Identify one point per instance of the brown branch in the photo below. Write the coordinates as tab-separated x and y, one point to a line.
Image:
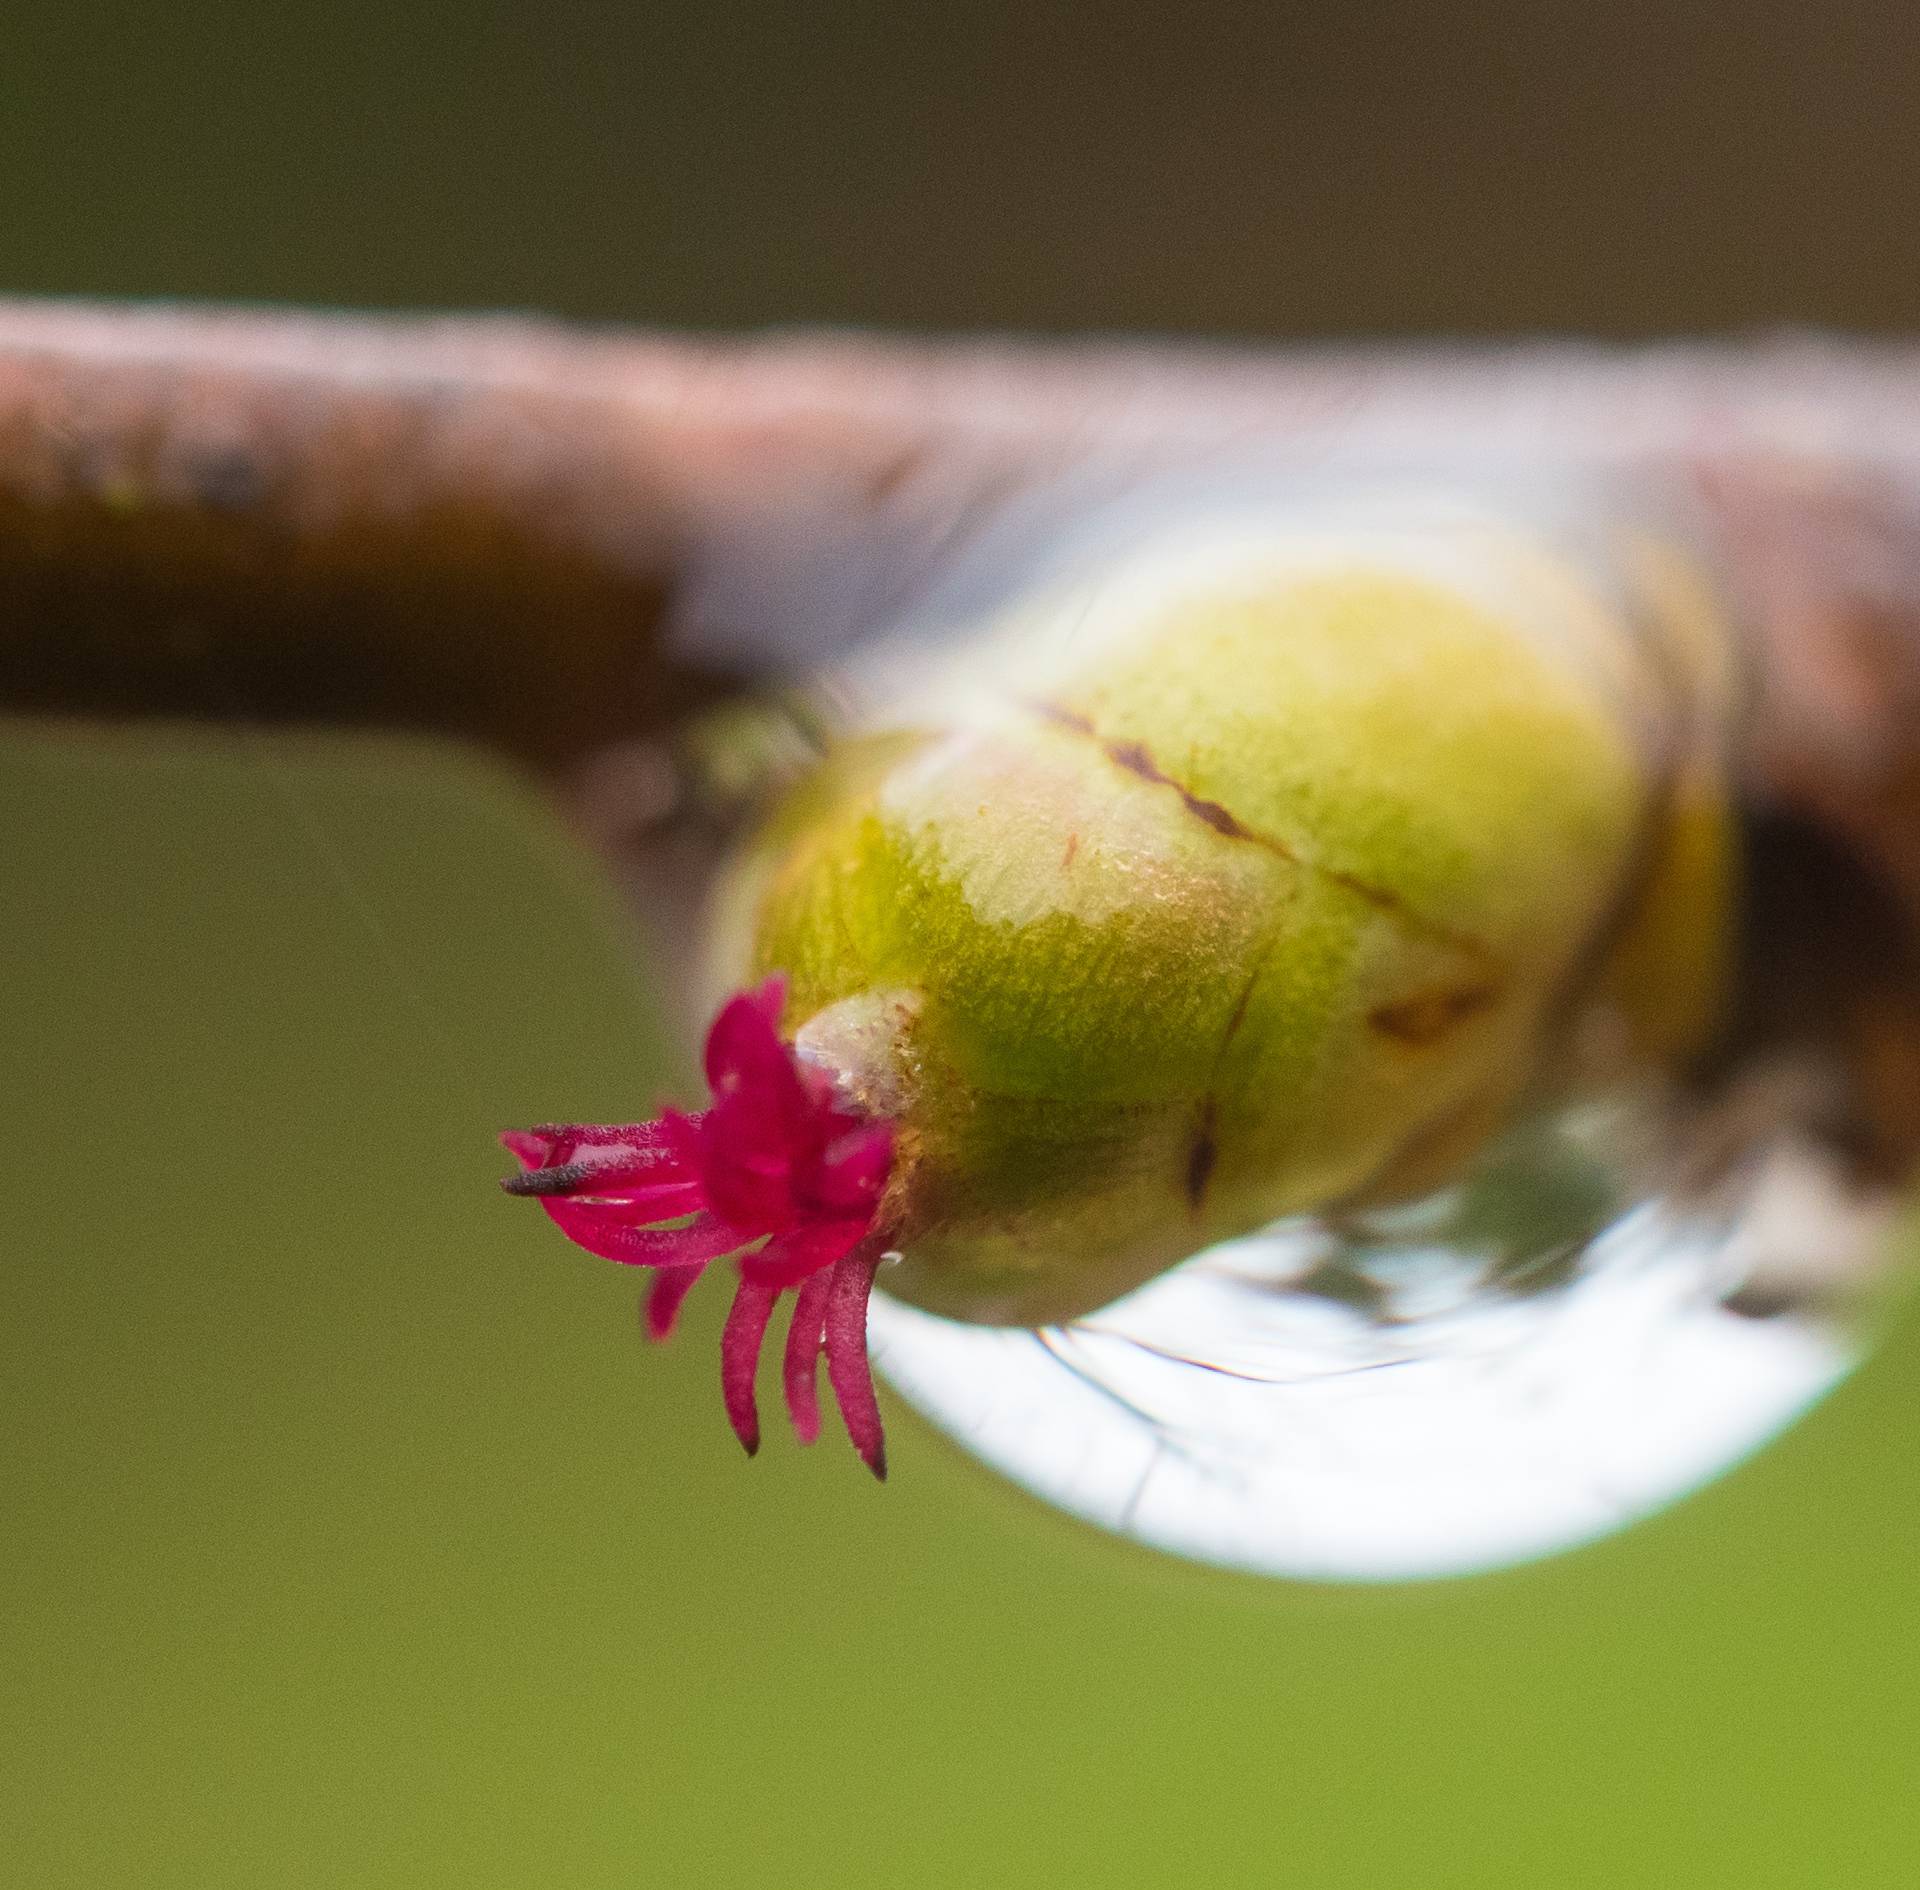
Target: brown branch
215	516
549	539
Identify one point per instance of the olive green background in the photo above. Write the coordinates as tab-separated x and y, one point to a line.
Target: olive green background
349	1536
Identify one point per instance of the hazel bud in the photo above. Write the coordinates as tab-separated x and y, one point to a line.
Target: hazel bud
1267	877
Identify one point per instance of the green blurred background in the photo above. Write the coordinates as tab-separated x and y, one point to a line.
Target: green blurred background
351	1536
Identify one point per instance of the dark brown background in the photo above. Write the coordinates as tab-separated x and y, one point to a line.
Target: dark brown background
1375	165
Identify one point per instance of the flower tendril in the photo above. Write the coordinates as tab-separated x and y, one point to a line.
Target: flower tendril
777	1171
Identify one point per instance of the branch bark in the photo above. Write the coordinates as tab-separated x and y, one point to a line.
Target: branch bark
548	540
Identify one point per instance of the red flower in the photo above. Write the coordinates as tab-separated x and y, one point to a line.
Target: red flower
777	1161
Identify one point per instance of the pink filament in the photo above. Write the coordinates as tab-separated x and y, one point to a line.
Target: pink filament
776	1172
800	1367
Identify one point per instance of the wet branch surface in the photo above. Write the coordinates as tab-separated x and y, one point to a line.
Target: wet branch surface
484	524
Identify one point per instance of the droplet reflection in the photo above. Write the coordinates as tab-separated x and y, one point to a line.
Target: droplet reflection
1432	1392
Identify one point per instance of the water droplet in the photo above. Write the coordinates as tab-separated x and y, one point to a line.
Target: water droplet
1539	1356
